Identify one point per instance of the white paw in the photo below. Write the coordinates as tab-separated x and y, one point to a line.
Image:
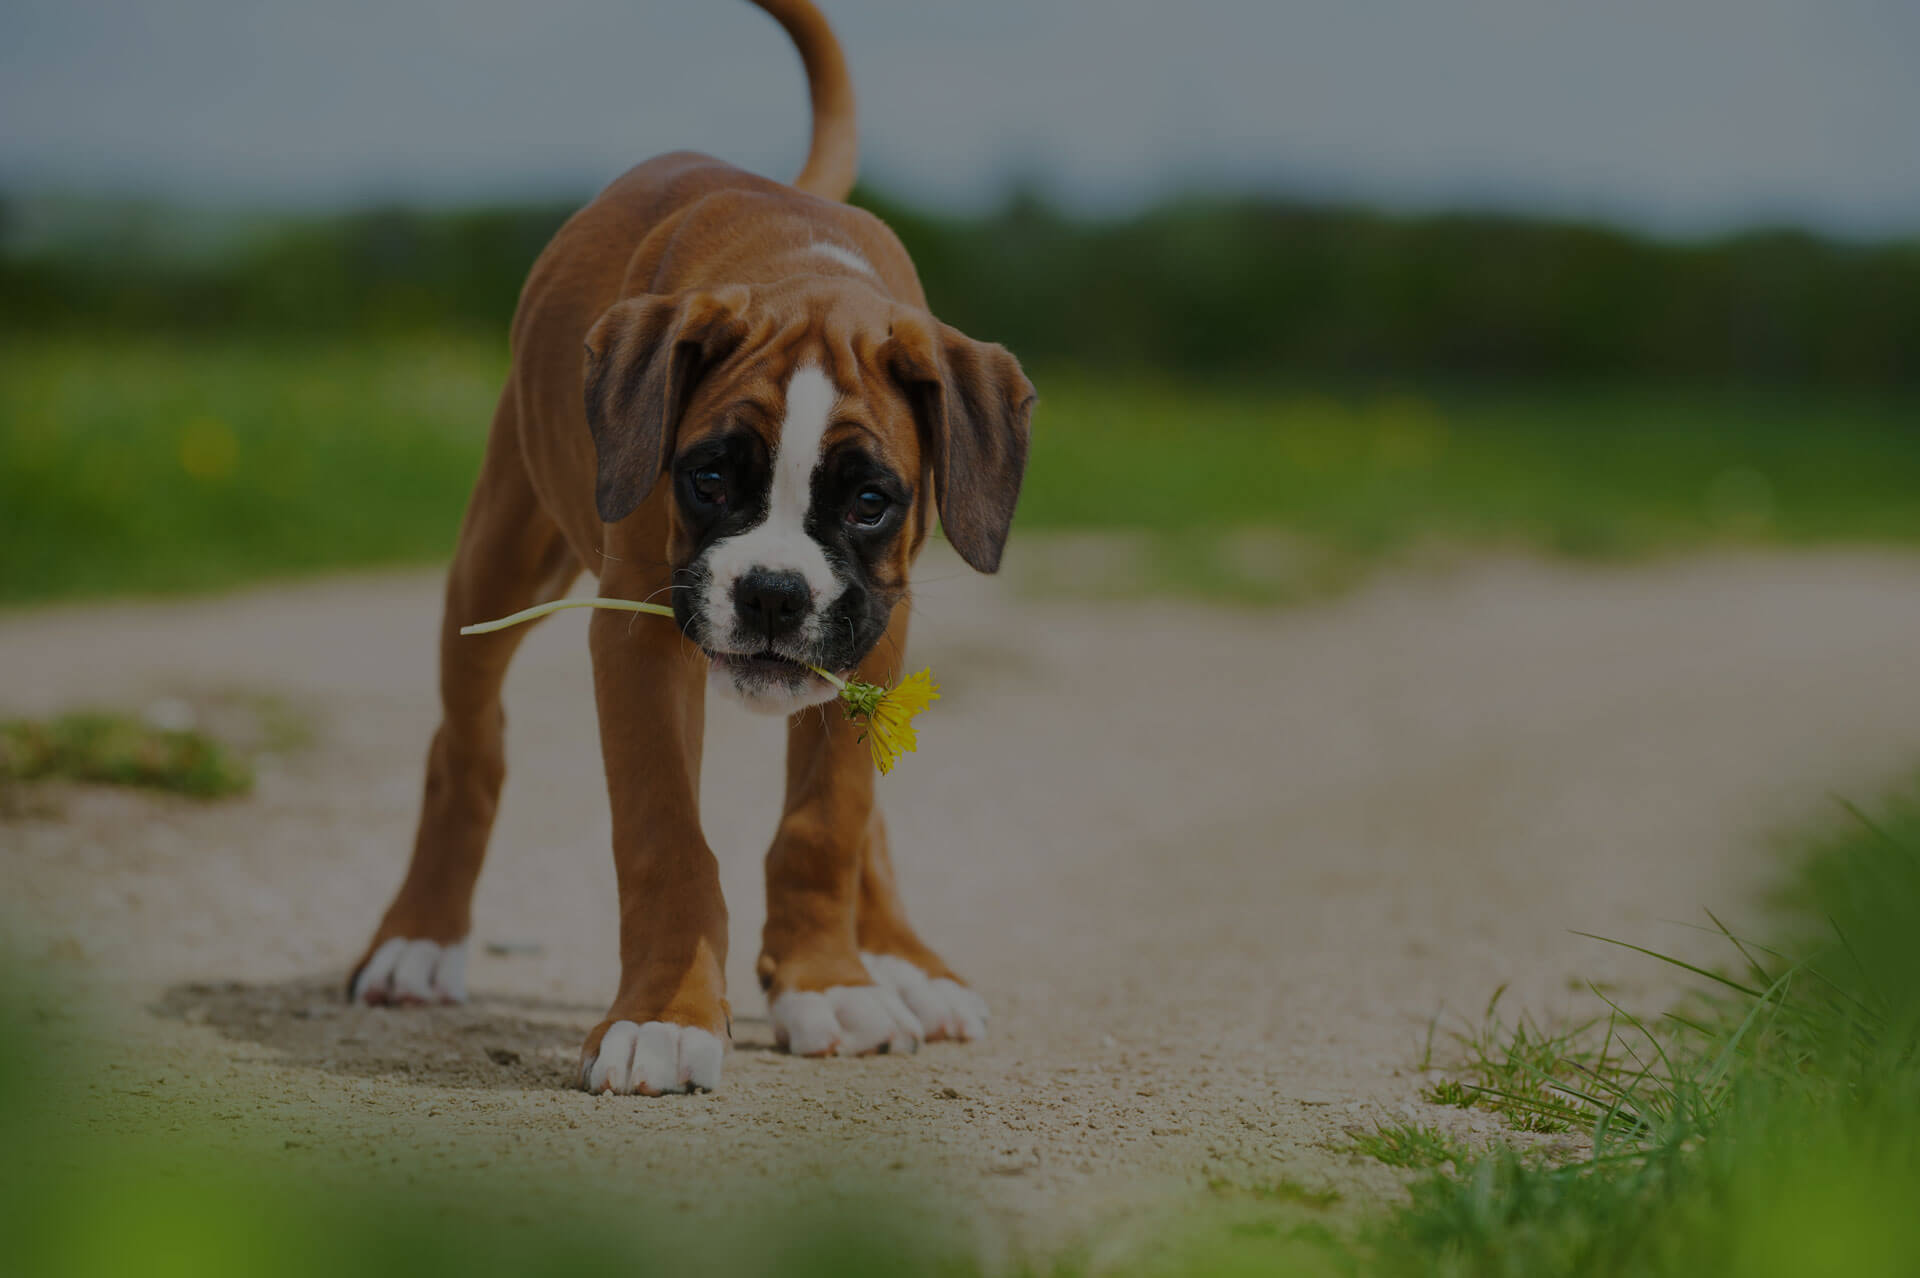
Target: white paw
847	1020
403	971
945	1008
653	1059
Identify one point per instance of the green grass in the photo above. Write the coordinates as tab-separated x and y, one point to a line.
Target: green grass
1540	1079
1773	1129
1411	1145
1450	1092
121	750
1582	471
143	466
1769	1125
138	467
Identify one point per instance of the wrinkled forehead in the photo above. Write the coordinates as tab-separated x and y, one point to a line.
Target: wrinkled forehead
805	402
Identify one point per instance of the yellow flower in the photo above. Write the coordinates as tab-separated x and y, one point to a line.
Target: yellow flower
890	718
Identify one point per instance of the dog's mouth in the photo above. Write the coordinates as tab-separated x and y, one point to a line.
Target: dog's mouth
768	682
765	666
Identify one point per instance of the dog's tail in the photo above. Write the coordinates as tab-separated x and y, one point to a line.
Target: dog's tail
833	156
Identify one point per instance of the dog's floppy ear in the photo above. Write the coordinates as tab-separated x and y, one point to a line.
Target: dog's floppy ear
644	358
974	406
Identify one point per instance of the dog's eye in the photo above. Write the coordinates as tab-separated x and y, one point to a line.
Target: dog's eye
709	486
869	508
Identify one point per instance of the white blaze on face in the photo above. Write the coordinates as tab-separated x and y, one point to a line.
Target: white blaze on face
779	542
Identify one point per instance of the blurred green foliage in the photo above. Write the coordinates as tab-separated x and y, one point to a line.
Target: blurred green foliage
85	1199
1250	285
1199	285
104	1177
374	271
1577	468
133	465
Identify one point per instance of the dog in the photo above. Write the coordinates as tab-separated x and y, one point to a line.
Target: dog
728	392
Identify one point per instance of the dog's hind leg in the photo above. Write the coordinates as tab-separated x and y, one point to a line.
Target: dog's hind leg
897	958
510	556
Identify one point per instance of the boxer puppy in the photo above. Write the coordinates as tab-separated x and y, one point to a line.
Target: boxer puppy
729	393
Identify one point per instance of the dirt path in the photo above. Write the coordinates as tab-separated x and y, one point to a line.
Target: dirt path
1215	872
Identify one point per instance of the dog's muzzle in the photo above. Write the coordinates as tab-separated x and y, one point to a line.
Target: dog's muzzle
762	653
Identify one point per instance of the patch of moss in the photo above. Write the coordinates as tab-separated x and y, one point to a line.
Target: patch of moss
120	750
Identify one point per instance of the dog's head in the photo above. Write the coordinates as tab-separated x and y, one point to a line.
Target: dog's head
808	437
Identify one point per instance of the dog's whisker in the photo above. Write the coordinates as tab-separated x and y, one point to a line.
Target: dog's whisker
650	598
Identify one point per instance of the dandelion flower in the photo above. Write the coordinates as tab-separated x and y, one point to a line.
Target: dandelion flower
889	714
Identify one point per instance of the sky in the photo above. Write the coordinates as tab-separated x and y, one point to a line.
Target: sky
1677	115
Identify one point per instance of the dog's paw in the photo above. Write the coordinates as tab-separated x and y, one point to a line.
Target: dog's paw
845	1020
652	1059
944	1007
412	972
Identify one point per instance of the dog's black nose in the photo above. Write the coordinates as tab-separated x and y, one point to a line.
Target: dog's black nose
771	603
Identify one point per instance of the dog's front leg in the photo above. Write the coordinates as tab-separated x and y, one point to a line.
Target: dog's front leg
667	1028
822	999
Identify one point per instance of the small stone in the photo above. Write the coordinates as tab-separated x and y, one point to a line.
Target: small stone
170	714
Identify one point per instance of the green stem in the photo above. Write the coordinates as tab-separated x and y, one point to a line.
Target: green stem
618	605
540	610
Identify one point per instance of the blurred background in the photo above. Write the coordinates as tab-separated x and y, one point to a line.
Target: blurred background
1303	285
1313	291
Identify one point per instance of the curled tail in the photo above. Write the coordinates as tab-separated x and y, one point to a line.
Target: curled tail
833	156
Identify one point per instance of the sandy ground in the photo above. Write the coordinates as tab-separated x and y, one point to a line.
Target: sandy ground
1215	871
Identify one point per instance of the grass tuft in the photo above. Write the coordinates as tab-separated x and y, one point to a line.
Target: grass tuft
1411	1145
121	750
1770	1128
1450	1092
1559	1080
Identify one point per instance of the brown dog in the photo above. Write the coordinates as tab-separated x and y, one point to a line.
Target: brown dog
760	427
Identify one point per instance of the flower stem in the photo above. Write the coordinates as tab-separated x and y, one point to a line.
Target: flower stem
540	610
619	605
